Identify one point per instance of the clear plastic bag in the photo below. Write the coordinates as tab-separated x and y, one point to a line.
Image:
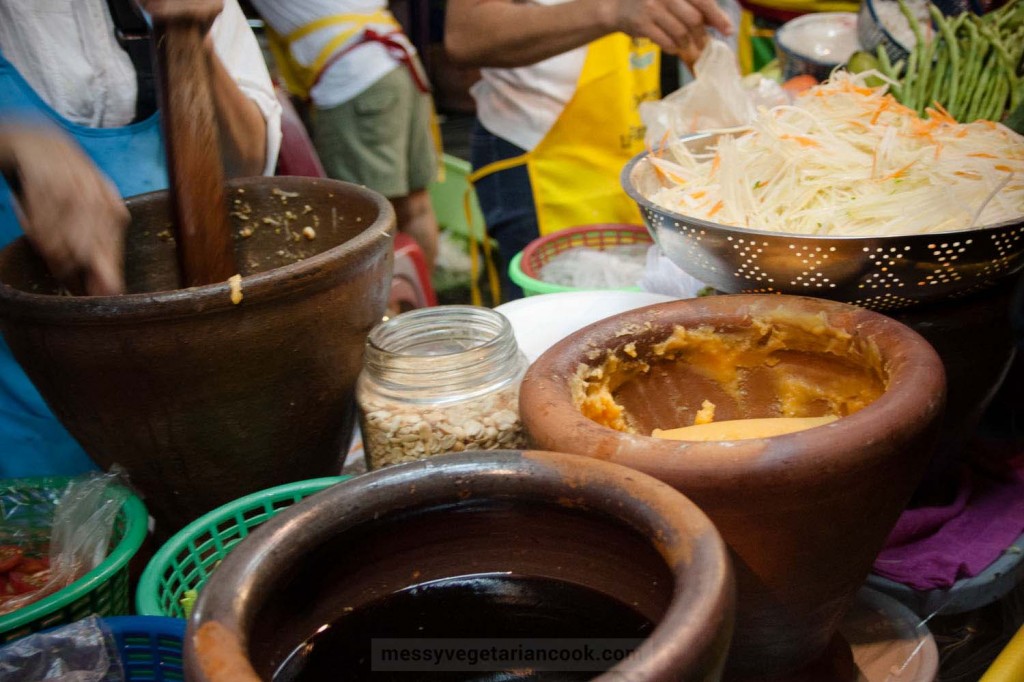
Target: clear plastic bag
717	97
614	267
63	533
83	651
662	276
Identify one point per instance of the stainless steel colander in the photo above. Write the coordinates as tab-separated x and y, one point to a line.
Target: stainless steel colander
880	273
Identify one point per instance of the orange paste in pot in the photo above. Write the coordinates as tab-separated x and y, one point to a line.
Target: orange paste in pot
778	365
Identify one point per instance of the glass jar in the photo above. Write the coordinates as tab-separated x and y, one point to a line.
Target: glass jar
437	380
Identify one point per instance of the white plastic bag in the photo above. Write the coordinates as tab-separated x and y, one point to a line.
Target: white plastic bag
717	97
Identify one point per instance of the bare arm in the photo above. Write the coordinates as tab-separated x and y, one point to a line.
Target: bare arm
508	33
240	123
242	129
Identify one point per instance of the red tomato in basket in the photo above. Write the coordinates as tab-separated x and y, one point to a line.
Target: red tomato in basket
24	583
33	565
10	557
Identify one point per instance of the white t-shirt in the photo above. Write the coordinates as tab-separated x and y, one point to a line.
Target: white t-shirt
67	52
352	73
522	104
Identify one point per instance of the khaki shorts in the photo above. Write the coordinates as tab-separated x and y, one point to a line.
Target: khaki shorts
381	138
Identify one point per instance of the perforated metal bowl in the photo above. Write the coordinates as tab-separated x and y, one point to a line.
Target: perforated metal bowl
880	273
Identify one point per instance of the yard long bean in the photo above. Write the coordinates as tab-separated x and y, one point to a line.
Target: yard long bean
948	33
939	72
972	66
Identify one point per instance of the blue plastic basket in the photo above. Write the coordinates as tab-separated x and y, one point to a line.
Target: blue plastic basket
150	647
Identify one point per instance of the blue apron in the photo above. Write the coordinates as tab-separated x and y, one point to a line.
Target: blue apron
32	441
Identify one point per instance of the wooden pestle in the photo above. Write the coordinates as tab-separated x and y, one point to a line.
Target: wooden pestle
194	167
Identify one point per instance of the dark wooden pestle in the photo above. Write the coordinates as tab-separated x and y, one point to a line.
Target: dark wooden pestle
194	167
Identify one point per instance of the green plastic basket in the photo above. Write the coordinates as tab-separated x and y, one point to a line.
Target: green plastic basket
103	591
448	199
186	561
526	265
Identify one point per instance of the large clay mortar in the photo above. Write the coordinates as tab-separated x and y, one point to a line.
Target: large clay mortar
200	399
804	514
546	515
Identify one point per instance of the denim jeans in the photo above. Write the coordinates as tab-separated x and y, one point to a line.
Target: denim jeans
506	201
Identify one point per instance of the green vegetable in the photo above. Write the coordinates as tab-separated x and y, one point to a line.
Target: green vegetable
951	49
772	70
861	61
1015	121
915	62
188	601
970	67
865	61
939	75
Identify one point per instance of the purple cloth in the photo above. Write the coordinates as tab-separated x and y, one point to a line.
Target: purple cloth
933	547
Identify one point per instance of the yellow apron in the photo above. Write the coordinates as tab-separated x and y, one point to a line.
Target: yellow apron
299	79
574	170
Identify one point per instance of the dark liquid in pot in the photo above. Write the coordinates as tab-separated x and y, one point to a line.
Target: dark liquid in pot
515	611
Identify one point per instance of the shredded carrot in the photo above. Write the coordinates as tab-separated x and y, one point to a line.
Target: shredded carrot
924	128
962	132
938	150
939	112
1002	167
716	163
661	146
698	195
666	175
901	109
664	139
878	112
983	155
899	173
716	208
849	86
803	141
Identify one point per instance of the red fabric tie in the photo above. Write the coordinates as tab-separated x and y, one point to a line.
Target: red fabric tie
398	51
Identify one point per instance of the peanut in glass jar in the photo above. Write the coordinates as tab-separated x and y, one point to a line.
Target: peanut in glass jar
437	380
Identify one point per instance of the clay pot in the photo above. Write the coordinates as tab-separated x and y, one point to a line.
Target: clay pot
596	526
199	399
804	514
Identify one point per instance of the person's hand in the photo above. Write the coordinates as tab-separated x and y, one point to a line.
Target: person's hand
70	212
678	27
202	12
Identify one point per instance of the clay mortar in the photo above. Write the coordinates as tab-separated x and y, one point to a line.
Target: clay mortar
543	514
202	400
804	514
